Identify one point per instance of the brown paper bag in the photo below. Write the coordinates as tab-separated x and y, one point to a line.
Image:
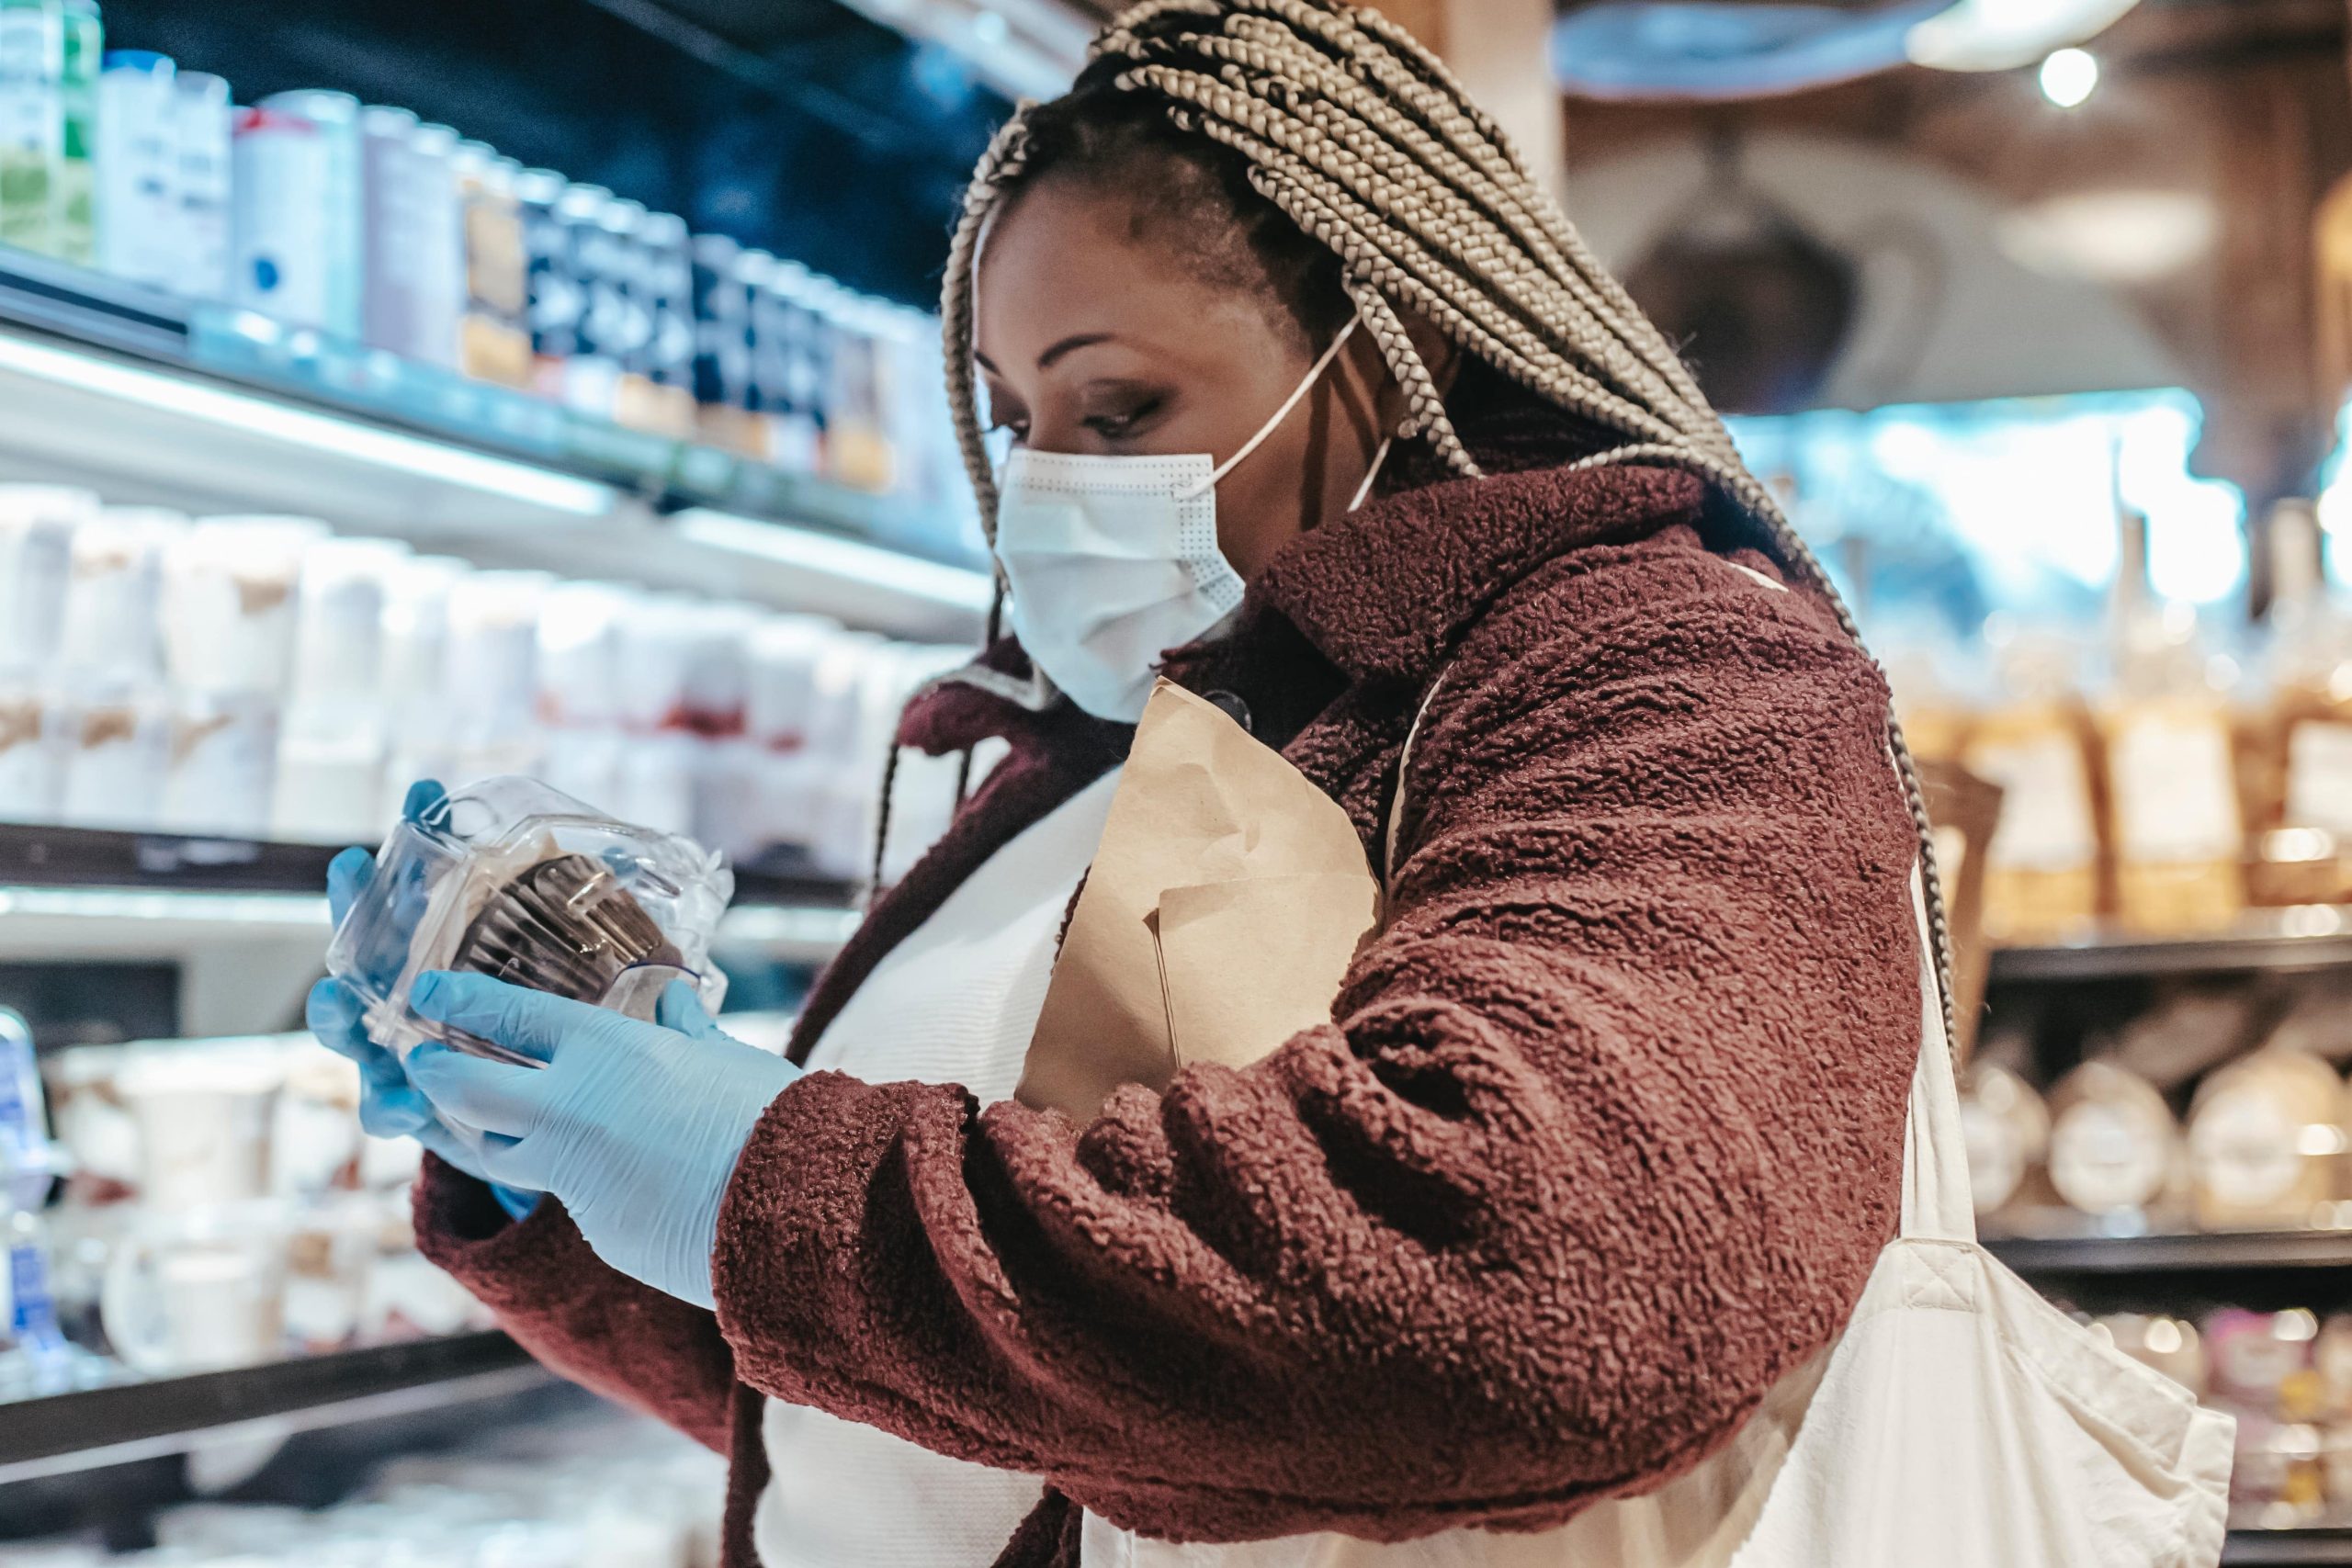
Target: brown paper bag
1227	900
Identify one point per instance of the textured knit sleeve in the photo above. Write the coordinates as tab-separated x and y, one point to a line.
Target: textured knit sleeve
1602	1141
574	1311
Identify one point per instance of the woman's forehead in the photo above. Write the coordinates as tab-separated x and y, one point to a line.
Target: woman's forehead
1066	257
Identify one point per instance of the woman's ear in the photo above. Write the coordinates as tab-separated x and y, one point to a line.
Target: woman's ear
1437	351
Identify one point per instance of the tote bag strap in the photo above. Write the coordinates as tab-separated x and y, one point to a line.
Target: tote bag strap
1936	1202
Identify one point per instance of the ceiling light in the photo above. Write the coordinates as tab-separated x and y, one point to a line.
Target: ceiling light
2069	76
2004	35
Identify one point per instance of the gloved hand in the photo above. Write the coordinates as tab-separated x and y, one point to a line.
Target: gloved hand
389	1106
636	1126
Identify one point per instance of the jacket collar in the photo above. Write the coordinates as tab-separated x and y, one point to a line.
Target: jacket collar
1383	591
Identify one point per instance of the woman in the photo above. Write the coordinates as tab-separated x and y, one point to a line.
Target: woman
1605	1129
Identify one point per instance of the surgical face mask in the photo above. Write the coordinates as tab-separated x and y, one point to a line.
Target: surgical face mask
1113	561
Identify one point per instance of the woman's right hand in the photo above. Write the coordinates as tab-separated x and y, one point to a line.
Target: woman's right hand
389	1106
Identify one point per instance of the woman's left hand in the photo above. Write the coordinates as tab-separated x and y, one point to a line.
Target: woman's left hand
635	1127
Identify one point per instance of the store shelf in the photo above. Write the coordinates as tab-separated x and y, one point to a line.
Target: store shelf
2287	1548
131	1421
2309	936
2221	1253
213	409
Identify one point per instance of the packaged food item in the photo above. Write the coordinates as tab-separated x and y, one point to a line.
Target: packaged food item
113	599
228	591
334	119
113	744
221	765
2114	1147
579	688
2254	1354
284	214
2008	1129
493	337
72	193
511	878
2266	1148
490	675
31	759
2041	869
32	121
199	1290
613	330
552	300
416	652
37	528
2332	1360
333	742
205	1115
2176	826
430	308
2277	1482
2302	748
204	129
138	166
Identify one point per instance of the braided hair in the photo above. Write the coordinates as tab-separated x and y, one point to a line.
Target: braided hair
1361	173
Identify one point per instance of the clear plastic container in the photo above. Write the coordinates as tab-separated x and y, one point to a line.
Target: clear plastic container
510	878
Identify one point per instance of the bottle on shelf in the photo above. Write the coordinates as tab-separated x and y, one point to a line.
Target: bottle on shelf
32	121
2299	750
2041	869
34	1356
2176	830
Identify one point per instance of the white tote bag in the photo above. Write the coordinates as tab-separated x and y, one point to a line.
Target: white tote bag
1961	1421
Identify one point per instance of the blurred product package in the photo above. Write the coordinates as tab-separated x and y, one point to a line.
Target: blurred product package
260	676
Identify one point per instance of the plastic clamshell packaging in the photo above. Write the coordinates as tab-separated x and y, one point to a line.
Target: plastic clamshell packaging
510	878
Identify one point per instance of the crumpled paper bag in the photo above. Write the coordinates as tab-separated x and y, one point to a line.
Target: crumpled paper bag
1227	900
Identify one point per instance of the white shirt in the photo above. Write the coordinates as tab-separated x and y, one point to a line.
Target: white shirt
956	1002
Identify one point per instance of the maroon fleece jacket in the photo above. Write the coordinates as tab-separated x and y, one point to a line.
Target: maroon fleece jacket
1603	1138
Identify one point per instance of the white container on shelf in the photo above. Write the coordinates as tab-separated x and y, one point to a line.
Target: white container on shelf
284	201
336	117
416	647
37	526
491	674
579	697
433	220
199	1291
113	605
222	765
137	167
31	767
228	595
205	1113
113	740
204	136
332	741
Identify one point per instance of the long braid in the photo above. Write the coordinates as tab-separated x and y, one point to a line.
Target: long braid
1362	138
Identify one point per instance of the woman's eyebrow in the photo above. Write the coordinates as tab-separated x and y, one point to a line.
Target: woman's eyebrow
1069	345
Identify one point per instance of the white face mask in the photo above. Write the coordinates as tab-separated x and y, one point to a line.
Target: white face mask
1113	561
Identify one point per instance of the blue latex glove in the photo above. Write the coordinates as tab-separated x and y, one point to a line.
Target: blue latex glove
636	1126
389	1106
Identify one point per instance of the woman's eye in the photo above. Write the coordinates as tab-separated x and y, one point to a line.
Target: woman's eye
1110	426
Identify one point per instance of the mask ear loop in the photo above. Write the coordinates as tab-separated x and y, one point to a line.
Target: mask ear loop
1314	374
1379	457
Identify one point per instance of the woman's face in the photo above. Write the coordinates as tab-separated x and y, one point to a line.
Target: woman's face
1095	335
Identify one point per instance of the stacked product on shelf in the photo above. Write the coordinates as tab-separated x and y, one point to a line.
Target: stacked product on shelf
318	214
259	677
221	1209
2287	1379
609	1491
2174	1128
2179	785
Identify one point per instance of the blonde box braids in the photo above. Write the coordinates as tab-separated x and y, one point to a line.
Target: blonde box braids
1364	139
